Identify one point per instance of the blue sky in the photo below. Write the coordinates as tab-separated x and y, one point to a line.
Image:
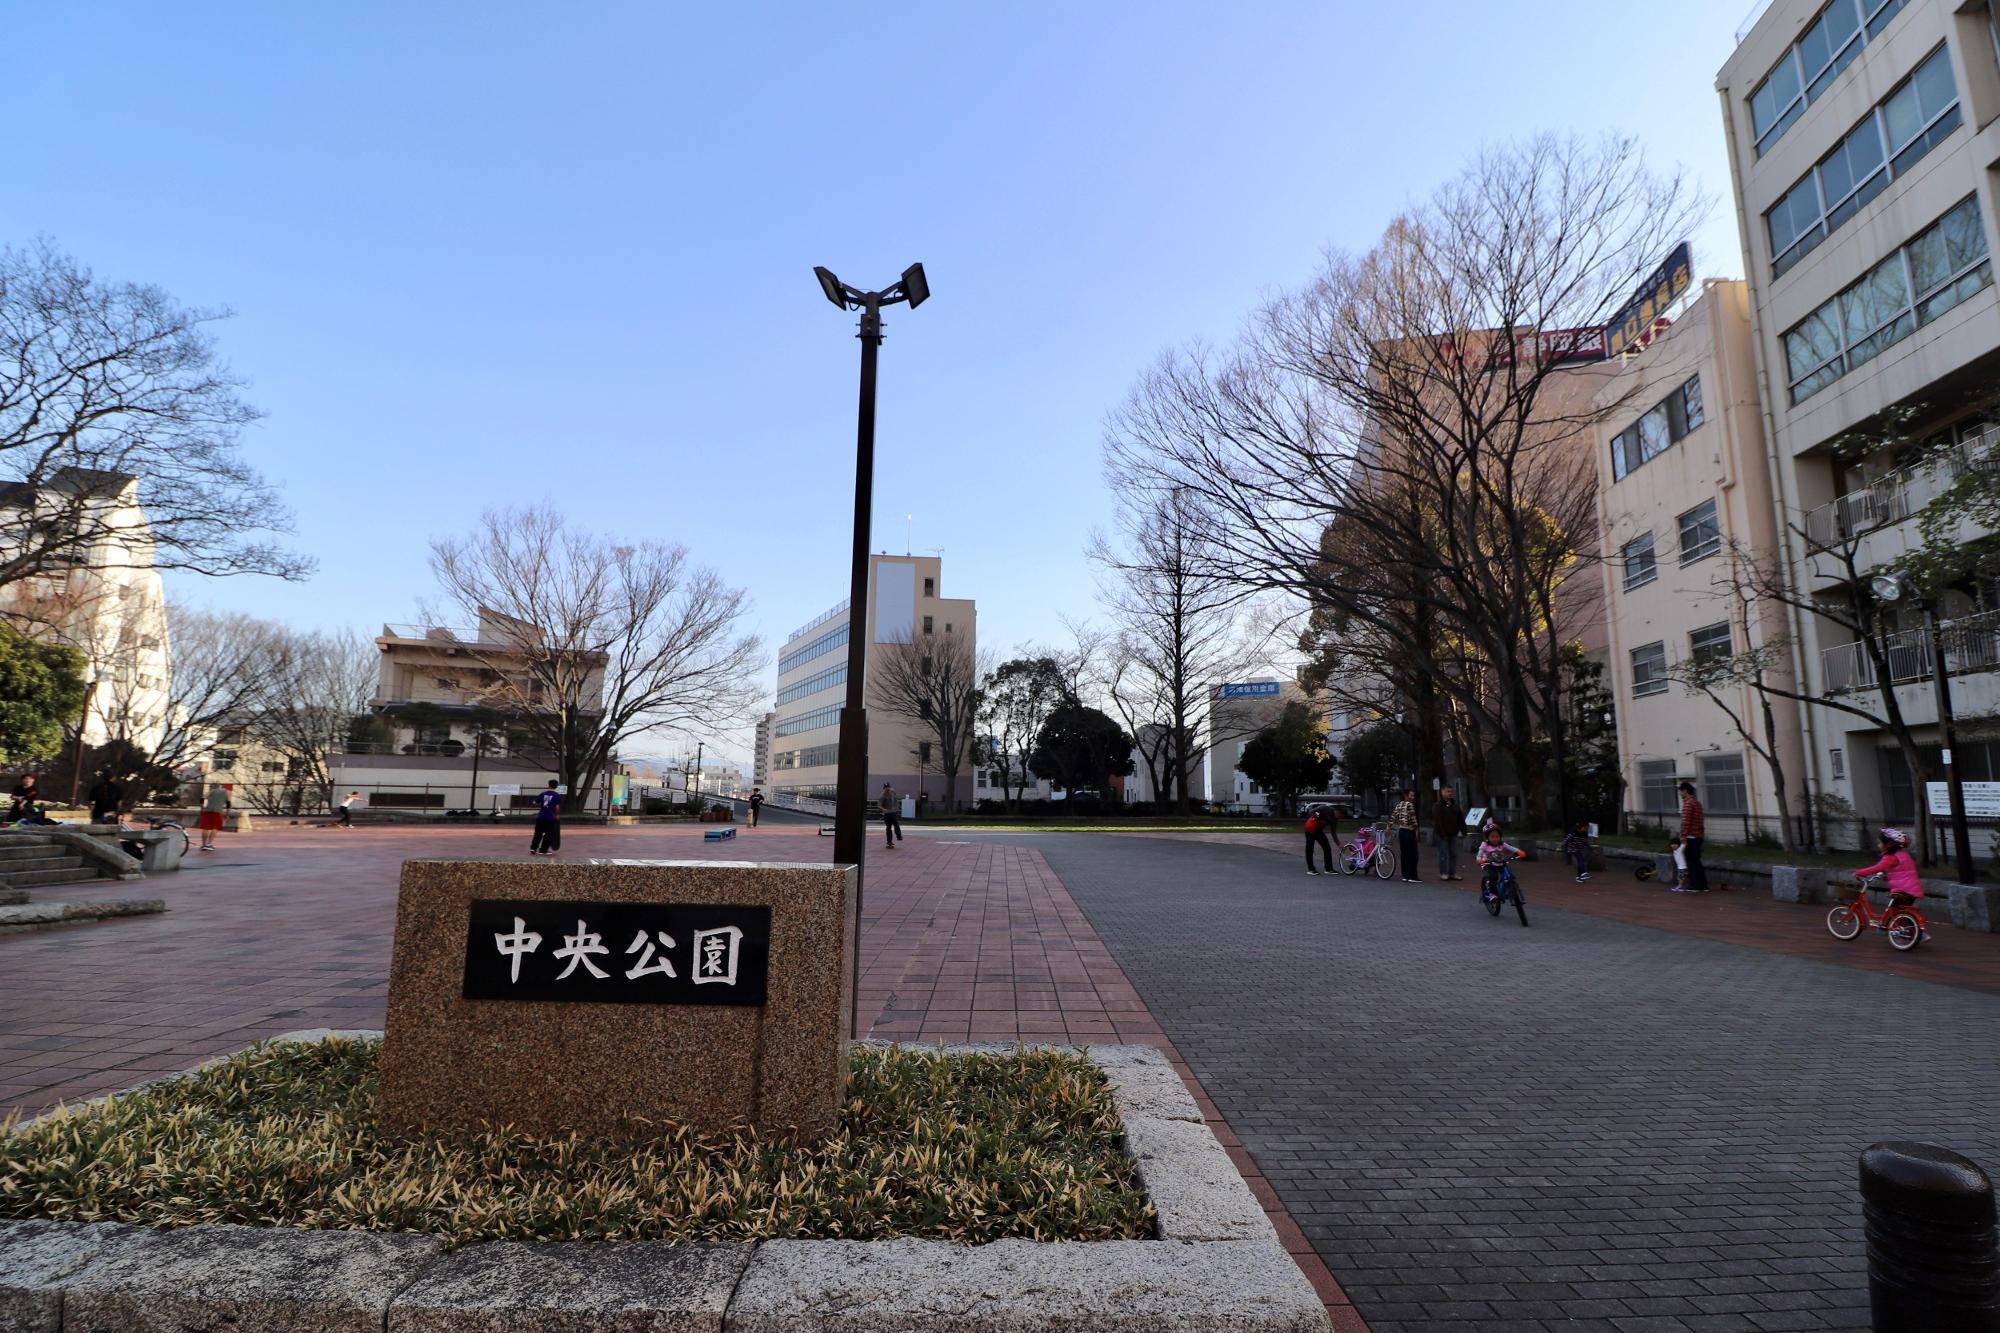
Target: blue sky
487	254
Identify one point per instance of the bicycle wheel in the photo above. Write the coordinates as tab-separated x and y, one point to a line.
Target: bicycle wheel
1903	931
1385	863
1348	865
1520	906
1843	922
1492	900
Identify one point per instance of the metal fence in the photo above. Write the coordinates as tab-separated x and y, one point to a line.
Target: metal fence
1971	643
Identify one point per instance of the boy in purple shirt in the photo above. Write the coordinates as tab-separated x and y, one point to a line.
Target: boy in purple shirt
548	822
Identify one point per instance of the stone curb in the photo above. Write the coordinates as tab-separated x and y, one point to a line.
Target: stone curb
1218	1265
22	917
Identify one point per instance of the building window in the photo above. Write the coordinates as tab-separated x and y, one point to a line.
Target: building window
1710	644
927	624
1807	69
1649	669
1640	566
1664	425
825	643
1839	762
1725	789
1658	783
813	684
1907	125
1943	266
930	587
1701	533
813	721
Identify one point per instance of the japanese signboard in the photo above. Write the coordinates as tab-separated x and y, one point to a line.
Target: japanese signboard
1256	689
1555	347
616	953
1982	799
1632	327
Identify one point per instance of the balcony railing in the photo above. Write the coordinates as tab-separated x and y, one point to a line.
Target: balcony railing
1901	494
1971	645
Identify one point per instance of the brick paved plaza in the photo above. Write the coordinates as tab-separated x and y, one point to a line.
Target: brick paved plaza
1640	1113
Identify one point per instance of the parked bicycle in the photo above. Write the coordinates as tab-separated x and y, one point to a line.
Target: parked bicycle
1901	922
1369	852
1501	891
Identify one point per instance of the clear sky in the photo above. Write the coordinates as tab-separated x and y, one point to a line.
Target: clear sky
485	254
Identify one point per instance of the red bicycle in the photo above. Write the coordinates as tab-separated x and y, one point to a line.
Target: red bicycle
1903	924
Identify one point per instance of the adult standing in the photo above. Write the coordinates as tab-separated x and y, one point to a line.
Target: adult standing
1446	820
1403	819
1319	828
548	821
892	815
105	796
756	805
1694	828
213	806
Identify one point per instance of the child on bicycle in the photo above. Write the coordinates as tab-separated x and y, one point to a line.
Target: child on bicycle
1494	853
1897	867
1576	848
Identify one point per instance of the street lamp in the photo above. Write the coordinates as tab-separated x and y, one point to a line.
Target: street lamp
850	820
82	725
1892	588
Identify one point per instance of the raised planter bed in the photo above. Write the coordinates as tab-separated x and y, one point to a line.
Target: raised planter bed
1215	1264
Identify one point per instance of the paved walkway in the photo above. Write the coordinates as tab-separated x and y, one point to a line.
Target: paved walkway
1587	1123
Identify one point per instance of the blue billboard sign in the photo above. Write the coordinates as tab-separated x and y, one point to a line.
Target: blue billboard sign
1256	689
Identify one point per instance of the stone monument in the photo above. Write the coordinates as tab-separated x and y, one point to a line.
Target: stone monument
601	996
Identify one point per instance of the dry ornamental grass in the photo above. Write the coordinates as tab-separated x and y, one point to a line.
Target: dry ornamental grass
967	1148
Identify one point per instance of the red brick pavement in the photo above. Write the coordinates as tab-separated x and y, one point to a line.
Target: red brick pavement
290	927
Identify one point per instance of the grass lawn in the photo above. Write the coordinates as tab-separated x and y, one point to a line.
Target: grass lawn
967	1148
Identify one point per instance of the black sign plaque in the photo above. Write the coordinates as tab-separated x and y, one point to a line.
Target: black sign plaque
616	953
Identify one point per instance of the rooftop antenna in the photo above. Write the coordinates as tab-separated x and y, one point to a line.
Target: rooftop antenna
909	529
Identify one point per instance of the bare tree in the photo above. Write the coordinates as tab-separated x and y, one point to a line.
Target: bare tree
225	665
110	392
1409	433
932	681
314	686
608	640
1176	620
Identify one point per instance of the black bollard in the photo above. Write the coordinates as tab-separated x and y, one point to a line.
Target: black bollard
1933	1256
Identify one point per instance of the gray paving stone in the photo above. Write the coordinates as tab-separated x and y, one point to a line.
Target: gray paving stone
1014	1286
38	1258
1433	1095
1196	1190
246	1280
642	1287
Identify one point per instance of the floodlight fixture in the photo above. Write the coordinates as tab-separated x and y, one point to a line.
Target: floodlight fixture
916	288
1887	587
831	286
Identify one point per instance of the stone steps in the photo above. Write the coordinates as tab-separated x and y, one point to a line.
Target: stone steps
74	873
9	897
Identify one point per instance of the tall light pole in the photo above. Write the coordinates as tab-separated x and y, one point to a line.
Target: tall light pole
850	813
1891	588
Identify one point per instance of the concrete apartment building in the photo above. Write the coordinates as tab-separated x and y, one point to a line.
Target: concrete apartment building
1863	141
906	605
102	597
438	691
1684	489
760	755
1237	711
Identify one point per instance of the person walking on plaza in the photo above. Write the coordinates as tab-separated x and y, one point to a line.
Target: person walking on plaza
892	815
1694	829
548	821
1320	827
1445	822
105	794
756	804
347	804
1403	819
212	808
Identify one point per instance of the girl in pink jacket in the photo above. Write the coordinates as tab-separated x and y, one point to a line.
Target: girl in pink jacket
1904	886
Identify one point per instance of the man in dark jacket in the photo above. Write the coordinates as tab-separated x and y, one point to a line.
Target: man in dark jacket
105	796
548	821
1446	821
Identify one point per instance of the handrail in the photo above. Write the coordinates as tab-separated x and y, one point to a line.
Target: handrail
1971	645
817	621
1901	494
1757	12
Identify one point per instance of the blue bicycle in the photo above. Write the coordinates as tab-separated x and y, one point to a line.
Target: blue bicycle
1496	893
